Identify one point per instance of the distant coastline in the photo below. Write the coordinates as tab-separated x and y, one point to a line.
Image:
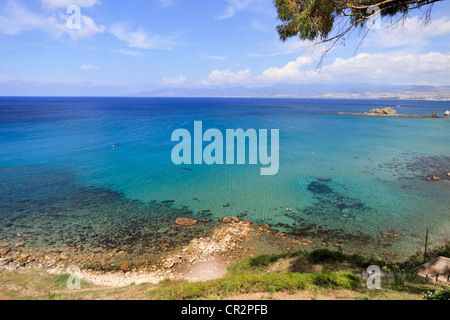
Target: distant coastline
389	115
327	97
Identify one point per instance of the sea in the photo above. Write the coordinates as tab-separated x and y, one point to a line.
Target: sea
97	173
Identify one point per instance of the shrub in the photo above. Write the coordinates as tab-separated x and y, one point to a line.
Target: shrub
439	294
255	264
248	283
323	255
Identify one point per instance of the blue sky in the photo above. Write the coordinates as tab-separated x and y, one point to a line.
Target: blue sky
126	47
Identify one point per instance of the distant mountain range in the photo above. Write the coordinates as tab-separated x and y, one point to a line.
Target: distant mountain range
314	90
348	91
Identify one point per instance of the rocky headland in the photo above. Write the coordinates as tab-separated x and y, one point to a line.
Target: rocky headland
391	112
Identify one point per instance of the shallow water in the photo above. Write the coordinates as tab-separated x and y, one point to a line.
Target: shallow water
62	183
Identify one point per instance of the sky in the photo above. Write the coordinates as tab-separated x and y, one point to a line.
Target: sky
128	47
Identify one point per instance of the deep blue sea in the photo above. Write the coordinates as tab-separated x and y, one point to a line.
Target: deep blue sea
97	172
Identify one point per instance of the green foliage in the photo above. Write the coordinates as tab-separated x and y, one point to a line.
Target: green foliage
316	19
310	19
61	281
440	251
165	280
399	276
54	296
439	294
169	295
255	264
325	255
247	283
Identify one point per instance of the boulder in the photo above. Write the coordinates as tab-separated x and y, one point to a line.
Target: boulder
185	221
230	220
433	115
447	113
383	111
125	267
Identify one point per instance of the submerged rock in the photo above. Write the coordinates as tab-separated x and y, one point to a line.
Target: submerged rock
185	221
4	251
320	188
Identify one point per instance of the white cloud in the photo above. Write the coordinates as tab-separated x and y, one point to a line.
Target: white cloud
129	52
227	77
16	18
213	57
390	68
239	5
412	31
88	67
290	72
88	28
60	4
375	68
140	38
174	82
384	68
166	3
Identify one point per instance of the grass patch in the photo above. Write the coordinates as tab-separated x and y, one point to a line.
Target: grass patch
54	296
325	255
255	264
61	282
250	283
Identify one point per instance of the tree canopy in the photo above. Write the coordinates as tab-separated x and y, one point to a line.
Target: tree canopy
328	21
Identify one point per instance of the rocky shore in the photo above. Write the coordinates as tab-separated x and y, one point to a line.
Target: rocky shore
203	258
226	240
391	112
231	240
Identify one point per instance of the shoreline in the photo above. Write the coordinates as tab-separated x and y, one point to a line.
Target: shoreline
204	258
390	115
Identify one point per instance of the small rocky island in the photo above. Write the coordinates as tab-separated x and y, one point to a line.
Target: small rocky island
391	112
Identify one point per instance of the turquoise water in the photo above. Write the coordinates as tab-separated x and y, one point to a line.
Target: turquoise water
62	183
